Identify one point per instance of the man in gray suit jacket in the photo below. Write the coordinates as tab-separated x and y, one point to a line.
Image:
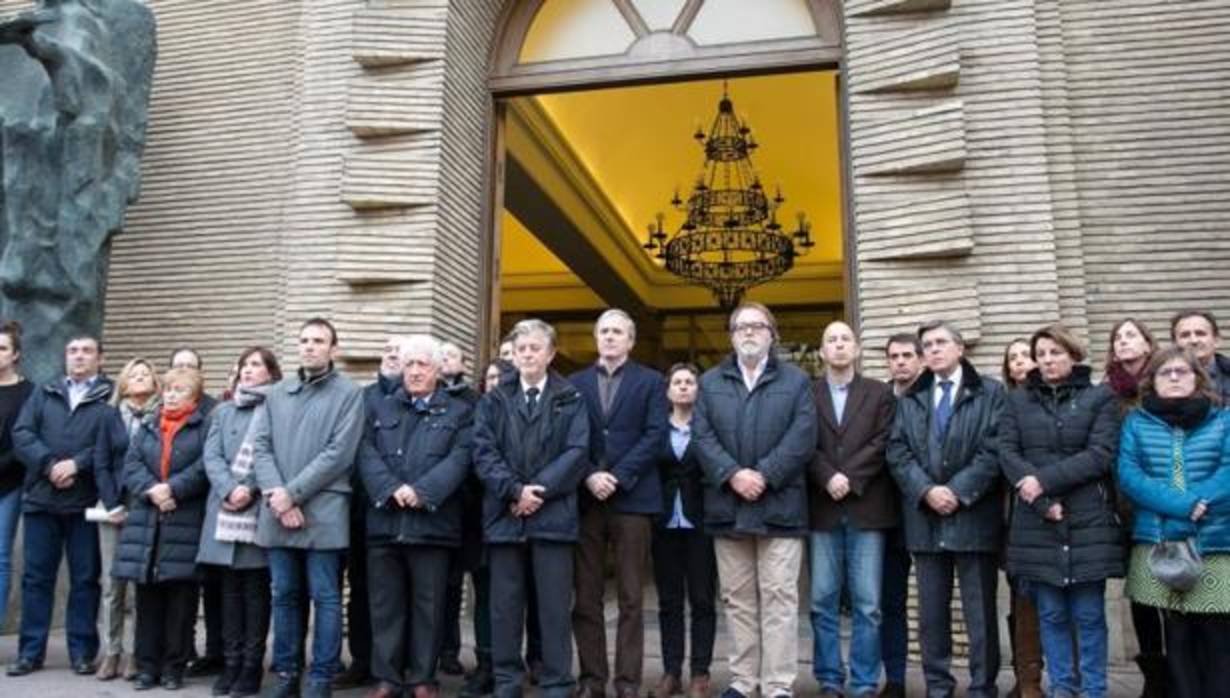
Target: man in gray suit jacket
303	454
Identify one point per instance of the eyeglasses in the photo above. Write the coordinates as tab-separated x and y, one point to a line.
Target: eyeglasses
750	327
1175	373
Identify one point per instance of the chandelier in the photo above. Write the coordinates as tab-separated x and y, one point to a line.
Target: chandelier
730	239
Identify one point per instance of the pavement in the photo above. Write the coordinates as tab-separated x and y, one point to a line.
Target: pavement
56	681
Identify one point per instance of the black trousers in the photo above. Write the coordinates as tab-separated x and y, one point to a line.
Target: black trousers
245	616
549	565
685	570
210	595
358	607
1147	621
166	612
979	575
408	585
1197	651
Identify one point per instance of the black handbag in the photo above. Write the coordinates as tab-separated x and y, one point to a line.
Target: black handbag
1176	563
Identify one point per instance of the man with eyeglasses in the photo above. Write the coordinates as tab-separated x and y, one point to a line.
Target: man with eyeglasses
942	454
754	430
1196	331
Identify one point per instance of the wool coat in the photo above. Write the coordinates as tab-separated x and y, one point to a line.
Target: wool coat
965	461
771	429
514	448
1066	436
227	430
855	447
160	546
625	440
307	444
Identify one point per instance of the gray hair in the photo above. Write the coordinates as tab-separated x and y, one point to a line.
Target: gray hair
532	326
421	345
932	325
621	314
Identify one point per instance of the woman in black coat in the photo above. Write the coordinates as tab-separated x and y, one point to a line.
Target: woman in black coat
684	565
165	473
1059	433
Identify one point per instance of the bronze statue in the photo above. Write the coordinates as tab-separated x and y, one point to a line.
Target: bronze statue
73	112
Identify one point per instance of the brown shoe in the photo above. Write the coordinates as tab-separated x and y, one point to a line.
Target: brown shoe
698	686
384	690
108	668
668	685
424	690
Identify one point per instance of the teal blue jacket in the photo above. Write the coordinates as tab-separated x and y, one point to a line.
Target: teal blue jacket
1147	450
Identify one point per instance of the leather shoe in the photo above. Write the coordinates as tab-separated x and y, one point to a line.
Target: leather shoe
451	665
144	682
384	690
698	686
353	677
589	690
892	689
84	667
109	667
205	666
627	692
668	685
21	667
172	682
426	690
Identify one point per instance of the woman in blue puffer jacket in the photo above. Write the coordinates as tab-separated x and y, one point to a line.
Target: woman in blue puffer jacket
1174	464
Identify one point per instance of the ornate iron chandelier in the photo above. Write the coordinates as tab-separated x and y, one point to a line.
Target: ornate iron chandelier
730	239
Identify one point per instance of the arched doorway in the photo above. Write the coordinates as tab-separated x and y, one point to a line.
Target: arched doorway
594	104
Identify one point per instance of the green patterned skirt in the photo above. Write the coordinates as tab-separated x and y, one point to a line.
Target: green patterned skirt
1211	595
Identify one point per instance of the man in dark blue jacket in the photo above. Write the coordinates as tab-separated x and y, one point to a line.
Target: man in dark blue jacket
626	402
531	448
414	456
58	438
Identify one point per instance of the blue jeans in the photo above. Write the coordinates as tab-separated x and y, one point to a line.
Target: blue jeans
10	510
290	570
853	558
1059	609
48	538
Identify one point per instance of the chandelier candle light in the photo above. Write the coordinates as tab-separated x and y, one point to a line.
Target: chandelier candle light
730	239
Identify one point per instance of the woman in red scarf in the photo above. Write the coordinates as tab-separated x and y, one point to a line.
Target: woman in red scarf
158	546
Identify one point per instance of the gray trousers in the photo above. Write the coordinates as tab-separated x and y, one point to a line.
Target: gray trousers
117	598
978	575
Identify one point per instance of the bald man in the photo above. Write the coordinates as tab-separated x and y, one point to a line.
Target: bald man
852	505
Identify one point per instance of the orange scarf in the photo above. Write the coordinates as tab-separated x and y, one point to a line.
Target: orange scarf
172	421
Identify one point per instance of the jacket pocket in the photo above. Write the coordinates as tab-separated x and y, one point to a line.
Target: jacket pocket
786	507
719	505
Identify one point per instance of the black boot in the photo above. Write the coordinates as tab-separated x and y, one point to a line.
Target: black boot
248	682
480	682
1153	668
222	685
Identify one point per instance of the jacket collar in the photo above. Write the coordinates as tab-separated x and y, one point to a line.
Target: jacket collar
730	368
302	380
1081	377
971	381
557	386
854	397
101	390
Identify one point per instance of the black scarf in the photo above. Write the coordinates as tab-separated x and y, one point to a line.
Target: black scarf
1184	412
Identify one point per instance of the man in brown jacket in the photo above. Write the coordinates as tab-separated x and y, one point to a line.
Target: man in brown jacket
851	505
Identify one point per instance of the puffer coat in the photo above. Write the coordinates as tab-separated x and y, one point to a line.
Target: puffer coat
1066	436
1148	448
156	546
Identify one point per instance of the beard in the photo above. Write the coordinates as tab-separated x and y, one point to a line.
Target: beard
750	349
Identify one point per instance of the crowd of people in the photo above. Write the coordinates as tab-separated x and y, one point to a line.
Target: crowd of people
270	501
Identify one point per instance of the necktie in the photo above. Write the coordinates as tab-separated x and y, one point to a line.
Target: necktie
943	411
531	400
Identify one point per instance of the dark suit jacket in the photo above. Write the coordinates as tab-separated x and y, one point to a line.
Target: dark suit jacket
855	448
682	475
626	441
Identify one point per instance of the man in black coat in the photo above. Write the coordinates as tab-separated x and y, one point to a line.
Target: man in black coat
755	432
531	443
942	453
627	416
414	457
58	437
1196	331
